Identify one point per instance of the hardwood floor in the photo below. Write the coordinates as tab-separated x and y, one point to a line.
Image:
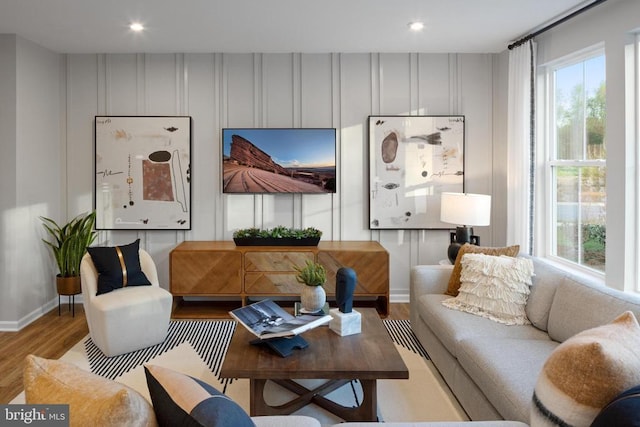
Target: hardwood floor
51	336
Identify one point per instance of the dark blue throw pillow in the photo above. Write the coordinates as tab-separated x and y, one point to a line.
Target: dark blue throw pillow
181	400
622	411
118	267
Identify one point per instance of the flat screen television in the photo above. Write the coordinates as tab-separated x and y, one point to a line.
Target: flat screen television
277	161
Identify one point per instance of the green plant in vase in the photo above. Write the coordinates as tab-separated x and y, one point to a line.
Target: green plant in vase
69	243
313	296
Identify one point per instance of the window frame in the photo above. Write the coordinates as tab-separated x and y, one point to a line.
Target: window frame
547	147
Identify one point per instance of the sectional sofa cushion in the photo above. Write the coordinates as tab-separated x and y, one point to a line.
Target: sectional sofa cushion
586	372
453	326
495	287
543	289
118	266
583	296
506	370
181	400
454	280
92	400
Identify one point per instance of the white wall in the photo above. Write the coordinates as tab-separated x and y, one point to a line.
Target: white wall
8	284
32	166
283	90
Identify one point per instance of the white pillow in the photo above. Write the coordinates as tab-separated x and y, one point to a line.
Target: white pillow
494	287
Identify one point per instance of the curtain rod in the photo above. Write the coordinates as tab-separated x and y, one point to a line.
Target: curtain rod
553	24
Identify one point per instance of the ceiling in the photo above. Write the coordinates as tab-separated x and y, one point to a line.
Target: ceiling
91	26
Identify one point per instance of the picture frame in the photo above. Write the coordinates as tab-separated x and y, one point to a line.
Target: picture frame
412	160
142	172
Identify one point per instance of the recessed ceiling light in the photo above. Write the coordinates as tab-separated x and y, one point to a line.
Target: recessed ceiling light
136	26
416	26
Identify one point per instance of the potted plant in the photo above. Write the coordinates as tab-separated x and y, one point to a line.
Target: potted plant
69	244
277	236
313	296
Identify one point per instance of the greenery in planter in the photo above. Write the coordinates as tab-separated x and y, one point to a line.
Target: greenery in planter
70	241
278	232
312	274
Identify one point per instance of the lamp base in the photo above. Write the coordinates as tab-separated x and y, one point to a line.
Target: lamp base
461	236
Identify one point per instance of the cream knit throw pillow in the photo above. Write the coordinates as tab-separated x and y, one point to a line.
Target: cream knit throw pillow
494	287
586	372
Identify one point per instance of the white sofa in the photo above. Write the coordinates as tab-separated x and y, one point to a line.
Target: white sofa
490	367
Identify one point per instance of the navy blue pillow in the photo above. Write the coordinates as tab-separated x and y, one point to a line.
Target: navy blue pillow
623	410
181	400
118	266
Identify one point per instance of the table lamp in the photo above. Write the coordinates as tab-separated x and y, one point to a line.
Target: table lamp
465	210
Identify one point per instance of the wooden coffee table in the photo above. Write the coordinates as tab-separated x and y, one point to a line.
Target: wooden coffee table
367	357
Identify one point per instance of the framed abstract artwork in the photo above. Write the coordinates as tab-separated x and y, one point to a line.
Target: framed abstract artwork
143	172
412	160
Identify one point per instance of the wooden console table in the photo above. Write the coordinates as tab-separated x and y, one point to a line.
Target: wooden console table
235	274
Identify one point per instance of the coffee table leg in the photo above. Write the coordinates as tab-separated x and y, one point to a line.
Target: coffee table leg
257	405
367	411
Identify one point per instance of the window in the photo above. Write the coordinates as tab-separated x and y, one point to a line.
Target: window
576	168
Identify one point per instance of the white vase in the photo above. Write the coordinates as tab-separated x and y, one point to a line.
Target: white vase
313	298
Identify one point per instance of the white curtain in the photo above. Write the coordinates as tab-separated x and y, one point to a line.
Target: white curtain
520	145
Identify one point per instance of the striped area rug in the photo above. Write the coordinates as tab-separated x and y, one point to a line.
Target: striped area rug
210	339
197	348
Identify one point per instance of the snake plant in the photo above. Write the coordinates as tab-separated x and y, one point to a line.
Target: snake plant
70	241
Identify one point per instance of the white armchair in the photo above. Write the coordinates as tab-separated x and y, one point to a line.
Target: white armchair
129	318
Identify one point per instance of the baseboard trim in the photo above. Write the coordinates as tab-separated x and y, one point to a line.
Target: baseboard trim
399	297
15	326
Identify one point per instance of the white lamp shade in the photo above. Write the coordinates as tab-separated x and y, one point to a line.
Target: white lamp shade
465	209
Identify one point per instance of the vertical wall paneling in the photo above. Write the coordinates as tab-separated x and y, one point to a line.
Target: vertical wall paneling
297	205
121	95
435	98
64	126
141	107
453	84
433	95
281	90
160	78
499	130
218	120
85	96
377	108
182	101
336	114
102	107
315	107
206	151
356	81
260	119
140	88
296	92
414	110
181	83
395	95
414	84
240	82
280	94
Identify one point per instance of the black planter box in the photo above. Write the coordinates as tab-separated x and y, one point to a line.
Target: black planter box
272	241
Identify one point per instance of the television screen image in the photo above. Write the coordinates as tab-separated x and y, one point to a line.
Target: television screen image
261	160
